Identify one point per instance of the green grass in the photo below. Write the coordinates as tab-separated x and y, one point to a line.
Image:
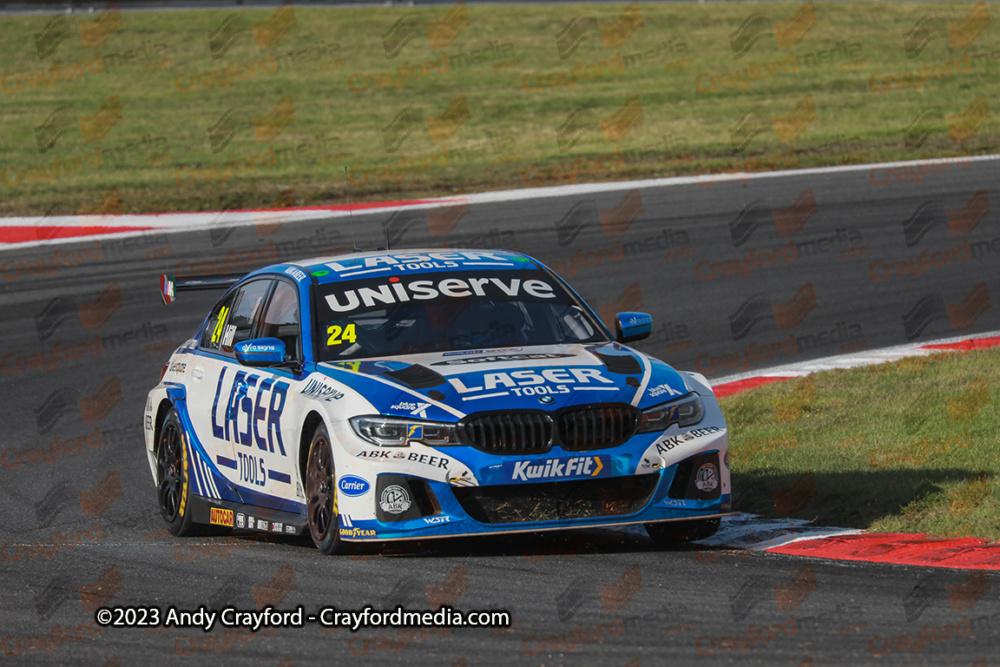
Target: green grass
510	134
910	446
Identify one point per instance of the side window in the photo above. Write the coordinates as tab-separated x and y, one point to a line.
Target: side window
232	321
211	338
281	319
246	307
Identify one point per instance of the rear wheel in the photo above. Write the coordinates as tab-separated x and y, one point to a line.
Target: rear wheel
675	532
321	495
172	482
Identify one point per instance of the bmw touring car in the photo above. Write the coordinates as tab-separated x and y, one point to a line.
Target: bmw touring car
400	395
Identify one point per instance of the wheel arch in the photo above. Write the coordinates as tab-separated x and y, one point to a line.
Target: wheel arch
309	424
173	398
162	410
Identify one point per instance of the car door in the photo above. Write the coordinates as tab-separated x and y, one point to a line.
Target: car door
231	404
277	412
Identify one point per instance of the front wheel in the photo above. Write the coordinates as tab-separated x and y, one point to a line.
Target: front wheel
676	532
173	486
321	495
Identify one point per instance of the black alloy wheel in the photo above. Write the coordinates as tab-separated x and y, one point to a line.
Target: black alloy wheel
173	484
321	495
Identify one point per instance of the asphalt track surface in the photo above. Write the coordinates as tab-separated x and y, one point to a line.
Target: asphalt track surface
81	528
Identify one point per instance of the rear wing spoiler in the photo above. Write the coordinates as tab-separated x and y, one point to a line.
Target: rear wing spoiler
170	286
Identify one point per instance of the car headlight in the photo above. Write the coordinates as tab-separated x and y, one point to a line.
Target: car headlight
393	432
685	411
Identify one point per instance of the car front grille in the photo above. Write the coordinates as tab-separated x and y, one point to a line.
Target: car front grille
597	426
508	432
578	429
553	501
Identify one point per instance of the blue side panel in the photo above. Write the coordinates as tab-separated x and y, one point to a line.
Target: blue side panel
266	501
204	475
208	482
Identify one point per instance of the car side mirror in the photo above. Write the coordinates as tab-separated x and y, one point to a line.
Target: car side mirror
632	326
260	352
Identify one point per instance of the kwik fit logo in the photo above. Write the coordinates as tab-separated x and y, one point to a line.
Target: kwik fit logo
549	469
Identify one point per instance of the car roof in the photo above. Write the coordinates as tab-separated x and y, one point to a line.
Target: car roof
423	260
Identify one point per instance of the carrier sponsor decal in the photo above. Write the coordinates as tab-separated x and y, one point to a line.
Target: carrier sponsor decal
545	470
533	382
396	290
353	486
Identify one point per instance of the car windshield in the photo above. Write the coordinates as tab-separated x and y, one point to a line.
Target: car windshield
443	312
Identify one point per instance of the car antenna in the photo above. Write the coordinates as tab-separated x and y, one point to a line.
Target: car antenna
350	211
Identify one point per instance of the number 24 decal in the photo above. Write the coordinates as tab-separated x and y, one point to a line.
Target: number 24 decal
340	334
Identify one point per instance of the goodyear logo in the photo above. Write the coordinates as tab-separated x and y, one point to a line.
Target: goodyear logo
221	517
575	467
415	432
357	532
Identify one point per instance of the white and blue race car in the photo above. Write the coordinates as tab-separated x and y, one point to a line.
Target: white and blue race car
400	395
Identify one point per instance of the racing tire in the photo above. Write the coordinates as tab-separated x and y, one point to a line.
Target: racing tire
173	485
678	532
321	495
